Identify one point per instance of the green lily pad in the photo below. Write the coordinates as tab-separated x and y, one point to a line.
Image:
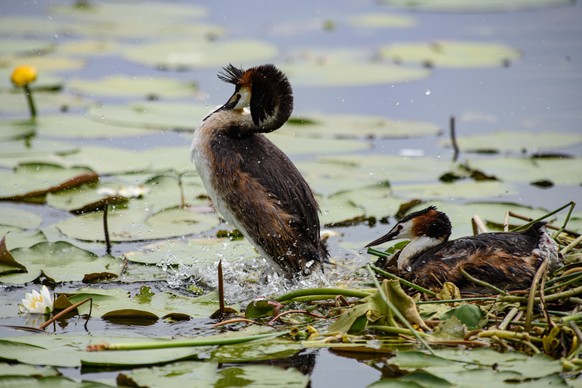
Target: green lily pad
26	370
158	305
137	224
451	54
292	145
15	130
557	170
153	115
374	201
61	262
517	141
120	20
73	126
339	74
200	54
32	26
106	160
381	20
209	375
327	126
24	47
21	219
191	251
15	103
134	86
36	147
40	350
33	181
45	63
457	190
89	47
475	6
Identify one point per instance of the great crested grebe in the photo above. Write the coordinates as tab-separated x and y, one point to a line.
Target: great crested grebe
252	183
508	260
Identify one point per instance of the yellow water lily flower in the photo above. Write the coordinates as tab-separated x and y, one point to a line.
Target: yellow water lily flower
38	303
23	75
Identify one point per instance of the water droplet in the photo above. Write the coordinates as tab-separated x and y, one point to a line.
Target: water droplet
427	92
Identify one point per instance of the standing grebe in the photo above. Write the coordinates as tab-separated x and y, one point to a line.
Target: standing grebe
507	260
252	183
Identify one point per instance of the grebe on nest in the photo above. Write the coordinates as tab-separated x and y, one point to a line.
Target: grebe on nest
252	183
507	260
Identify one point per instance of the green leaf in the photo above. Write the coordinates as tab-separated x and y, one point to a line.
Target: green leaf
470	315
61	262
259	309
381	20
32	182
126	86
475	6
451	54
188	54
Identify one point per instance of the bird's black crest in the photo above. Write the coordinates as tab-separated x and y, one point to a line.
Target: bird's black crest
270	89
231	74
415	214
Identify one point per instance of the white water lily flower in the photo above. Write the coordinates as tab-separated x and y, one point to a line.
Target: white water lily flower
38	303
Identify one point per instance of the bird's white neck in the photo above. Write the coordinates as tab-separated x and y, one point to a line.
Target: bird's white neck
415	247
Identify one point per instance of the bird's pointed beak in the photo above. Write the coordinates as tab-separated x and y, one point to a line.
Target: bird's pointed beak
393	234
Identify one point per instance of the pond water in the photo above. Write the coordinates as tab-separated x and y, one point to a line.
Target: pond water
540	92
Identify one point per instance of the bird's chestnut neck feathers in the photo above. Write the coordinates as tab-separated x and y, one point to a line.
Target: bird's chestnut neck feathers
264	90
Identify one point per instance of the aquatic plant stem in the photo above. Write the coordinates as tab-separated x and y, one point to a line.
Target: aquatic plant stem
179	343
397	330
525	226
30	101
66	311
453	138
106	230
482	283
549	298
220	289
403	281
323	291
396	312
532	294
569	247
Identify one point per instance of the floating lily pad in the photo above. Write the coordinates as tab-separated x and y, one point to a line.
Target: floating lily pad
159	303
451	54
120	20
338	74
136	224
83	200
457	190
327	126
45	63
191	252
15	103
134	86
10	130
381	20
32	26
71	126
475	6
560	171
200	54
18	218
89	47
153	115
374	201
40	349
517	141
292	145
106	160
61	262
208	374
24	47
34	181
